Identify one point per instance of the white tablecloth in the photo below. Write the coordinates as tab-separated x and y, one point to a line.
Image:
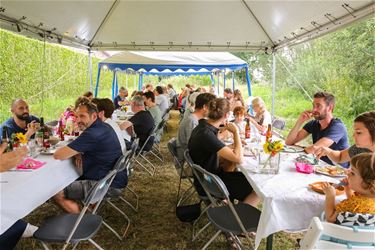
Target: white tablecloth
288	203
23	191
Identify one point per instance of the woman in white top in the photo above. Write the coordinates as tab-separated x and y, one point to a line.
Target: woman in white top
262	116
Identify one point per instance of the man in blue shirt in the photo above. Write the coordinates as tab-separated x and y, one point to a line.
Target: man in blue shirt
326	130
22	121
96	151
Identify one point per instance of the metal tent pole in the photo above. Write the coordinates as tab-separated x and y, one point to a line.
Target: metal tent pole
90	70
97	82
233	80
273	82
224	80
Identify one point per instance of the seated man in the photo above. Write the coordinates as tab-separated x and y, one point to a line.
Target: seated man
120	99
149	99
326	130
106	108
190	121
96	151
141	123
22	121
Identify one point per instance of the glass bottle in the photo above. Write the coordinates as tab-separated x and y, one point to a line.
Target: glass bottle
6	139
247	129
269	133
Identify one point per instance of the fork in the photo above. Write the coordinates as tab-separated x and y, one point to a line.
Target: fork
340	184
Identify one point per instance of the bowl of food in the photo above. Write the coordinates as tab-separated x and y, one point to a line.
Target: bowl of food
53	140
318	187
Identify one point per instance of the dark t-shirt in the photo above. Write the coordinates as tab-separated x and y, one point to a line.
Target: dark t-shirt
100	150
203	146
143	124
116	100
14	128
336	131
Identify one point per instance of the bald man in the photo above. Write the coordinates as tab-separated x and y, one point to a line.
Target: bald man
22	121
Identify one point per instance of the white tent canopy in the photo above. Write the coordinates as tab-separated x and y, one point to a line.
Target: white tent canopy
174	58
193	25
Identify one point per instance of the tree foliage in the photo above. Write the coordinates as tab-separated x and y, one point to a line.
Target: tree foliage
341	63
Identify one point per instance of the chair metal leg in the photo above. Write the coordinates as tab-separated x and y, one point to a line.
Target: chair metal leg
134	208
44	245
200	230
95	244
125	216
145	168
112	230
212	239
156	155
195	235
187	194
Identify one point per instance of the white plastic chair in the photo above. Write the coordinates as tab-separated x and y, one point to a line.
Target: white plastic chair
348	237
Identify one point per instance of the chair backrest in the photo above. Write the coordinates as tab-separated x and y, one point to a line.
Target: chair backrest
278	123
211	183
188	158
172	147
325	235
159	127
100	189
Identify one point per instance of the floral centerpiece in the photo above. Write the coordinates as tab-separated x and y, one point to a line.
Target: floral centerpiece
273	148
18	139
269	159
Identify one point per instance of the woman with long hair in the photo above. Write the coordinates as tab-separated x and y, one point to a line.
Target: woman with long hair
262	117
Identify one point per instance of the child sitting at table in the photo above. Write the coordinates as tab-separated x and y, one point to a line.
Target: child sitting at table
239	115
359	207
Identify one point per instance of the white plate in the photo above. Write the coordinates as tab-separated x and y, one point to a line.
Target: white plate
292	149
48	152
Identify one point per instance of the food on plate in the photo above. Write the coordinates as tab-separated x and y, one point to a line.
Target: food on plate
331	170
317	187
307	159
53	140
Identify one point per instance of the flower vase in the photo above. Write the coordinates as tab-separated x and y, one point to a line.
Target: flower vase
268	163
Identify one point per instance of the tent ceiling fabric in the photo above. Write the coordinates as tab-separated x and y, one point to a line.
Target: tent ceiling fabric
192	25
167	62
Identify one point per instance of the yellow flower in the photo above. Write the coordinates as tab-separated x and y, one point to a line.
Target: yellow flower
273	147
21	138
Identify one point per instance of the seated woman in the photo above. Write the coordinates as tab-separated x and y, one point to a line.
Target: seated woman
359	207
20	228
205	149
364	138
238	99
262	116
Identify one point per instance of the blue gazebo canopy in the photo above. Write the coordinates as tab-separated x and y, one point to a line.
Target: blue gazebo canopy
172	63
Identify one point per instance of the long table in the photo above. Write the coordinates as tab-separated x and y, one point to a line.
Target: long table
24	190
288	203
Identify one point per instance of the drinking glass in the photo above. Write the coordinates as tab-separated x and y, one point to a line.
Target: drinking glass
32	148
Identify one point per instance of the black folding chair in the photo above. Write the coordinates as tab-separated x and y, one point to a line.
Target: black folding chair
183	173
156	146
204	198
278	125
229	218
122	164
142	151
73	228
